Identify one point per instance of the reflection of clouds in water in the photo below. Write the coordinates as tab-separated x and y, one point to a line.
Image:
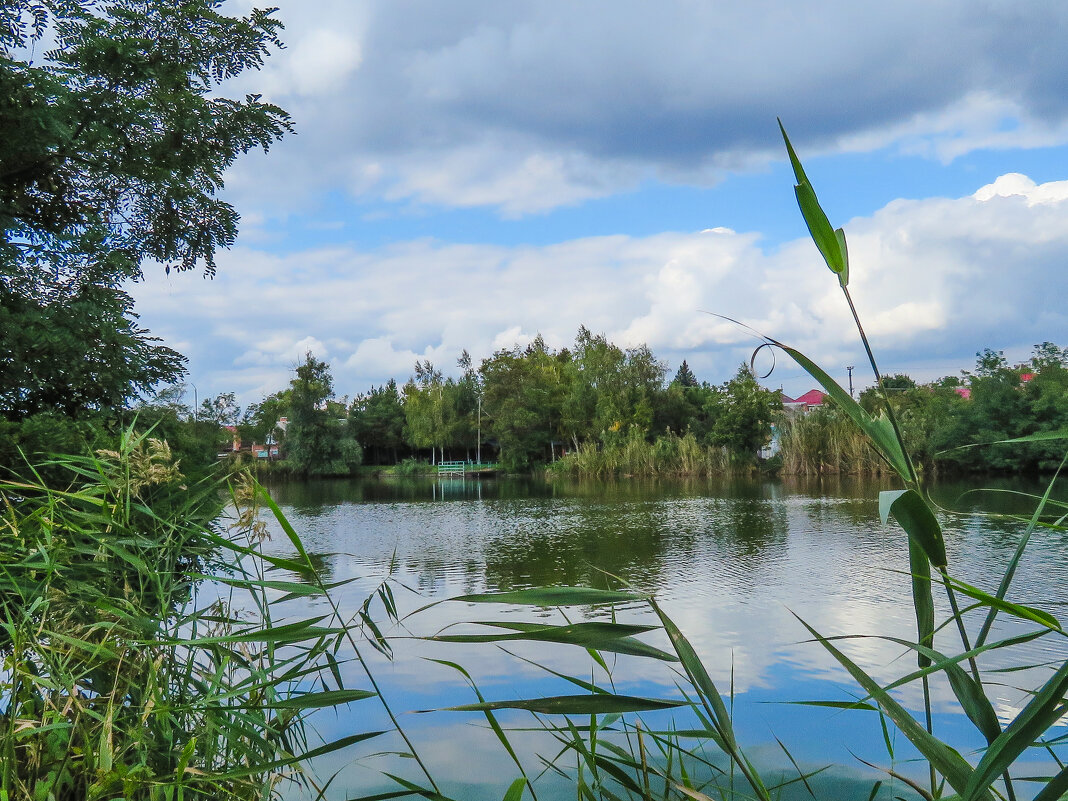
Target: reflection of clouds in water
729	569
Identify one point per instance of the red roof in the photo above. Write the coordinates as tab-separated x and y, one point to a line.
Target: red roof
813	398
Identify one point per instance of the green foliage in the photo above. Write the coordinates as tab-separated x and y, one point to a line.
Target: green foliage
523	391
685	377
634	455
114	138
115	142
1003	405
317	442
378	422
260	420
825	440
116	682
81	356
742	414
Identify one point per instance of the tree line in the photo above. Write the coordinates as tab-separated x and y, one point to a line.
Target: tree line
597	407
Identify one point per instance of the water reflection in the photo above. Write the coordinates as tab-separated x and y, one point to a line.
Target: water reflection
732	561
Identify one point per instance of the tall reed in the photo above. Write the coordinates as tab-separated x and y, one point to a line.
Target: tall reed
635	455
123	676
826	441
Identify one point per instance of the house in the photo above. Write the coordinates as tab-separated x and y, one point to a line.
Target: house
813	399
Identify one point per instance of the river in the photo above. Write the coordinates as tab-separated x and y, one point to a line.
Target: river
735	563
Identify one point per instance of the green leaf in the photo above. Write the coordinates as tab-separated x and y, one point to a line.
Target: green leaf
916	518
1041	436
611	637
572	705
322	699
1018	610
830	243
843	277
1041	713
1010	570
515	790
307	568
491	718
336	745
944	759
922	599
834	704
553	596
1056	789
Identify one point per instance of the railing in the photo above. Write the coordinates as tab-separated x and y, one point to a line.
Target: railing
445	468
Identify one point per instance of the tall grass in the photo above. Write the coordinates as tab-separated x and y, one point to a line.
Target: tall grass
125	678
634	455
826	441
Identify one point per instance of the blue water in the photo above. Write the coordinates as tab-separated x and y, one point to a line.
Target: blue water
734	563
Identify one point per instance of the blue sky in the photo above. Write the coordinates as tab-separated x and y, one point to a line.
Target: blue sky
470	174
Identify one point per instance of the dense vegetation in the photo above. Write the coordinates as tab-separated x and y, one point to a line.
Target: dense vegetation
597	409
121	680
114	137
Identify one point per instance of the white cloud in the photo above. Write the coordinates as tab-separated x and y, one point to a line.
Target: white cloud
934	280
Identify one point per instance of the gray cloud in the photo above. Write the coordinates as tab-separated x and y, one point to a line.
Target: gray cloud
527	106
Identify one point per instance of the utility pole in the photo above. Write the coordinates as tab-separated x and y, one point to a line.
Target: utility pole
850	370
478	445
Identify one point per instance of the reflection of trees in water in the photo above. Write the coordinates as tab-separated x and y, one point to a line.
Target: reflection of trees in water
647	543
506	533
577	555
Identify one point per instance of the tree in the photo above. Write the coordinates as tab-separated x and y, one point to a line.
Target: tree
378	417
316	442
260	420
685	377
523	392
741	421
113	144
81	358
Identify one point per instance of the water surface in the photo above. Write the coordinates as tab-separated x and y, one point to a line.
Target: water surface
734	562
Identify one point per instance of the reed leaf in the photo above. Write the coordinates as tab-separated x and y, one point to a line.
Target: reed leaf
553	596
1021	611
515	790
1010	570
916	518
1044	709
831	243
611	637
1056	788
596	704
879	429
943	758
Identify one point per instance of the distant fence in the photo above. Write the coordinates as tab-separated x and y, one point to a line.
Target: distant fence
459	468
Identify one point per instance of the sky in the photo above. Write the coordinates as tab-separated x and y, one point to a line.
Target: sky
467	175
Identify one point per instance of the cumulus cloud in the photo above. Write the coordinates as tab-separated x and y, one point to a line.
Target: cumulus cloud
529	106
934	279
